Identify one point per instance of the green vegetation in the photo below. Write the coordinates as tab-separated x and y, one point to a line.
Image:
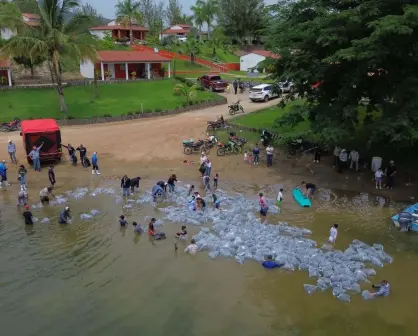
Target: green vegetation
266	118
361	54
188	66
113	100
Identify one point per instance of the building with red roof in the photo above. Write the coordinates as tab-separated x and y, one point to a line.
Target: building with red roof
179	30
250	60
119	31
126	65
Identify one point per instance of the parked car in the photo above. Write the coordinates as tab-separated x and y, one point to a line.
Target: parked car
213	82
286	85
263	92
181	38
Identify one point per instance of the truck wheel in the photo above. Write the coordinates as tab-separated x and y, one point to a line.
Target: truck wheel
266	99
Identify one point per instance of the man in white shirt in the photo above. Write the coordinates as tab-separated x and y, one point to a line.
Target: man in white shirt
333	233
269	152
354	157
192	248
337	151
343	160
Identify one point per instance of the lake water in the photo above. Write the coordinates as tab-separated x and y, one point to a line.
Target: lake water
92	278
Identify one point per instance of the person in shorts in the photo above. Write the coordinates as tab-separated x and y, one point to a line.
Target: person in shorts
308	189
45	193
263	205
379	177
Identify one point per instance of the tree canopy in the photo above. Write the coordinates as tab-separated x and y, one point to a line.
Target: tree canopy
362	55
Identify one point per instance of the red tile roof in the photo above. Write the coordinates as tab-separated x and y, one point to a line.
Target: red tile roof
130	56
4	64
265	53
175	31
31	16
134	28
184	25
33	23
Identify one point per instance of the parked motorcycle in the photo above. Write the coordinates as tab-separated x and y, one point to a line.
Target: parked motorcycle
235	108
10	127
228	149
189	147
266	138
214	125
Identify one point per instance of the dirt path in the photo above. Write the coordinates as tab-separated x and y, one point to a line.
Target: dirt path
151	148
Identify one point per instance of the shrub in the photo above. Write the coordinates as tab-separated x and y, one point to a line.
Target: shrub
107	115
147	111
157	110
130	114
69	117
138	112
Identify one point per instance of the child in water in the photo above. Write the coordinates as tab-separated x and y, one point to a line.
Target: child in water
215	181
333	233
137	228
216	201
182	234
122	220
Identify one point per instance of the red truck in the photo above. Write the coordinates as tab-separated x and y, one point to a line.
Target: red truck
213	82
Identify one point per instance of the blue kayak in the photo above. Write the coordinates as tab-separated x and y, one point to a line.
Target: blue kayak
301	199
413	209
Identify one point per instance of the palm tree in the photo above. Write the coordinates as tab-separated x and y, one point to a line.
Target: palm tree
190	47
210	9
198	16
127	11
187	91
54	38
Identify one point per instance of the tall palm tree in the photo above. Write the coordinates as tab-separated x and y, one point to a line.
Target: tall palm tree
210	10
53	39
127	11
198	16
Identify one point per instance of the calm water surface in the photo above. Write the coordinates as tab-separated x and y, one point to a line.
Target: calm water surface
91	278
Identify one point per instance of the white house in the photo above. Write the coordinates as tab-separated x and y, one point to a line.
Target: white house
30	19
251	59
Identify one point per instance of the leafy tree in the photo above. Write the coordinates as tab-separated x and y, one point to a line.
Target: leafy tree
174	12
27	6
54	38
241	18
218	38
29	63
189	92
127	12
154	16
360	53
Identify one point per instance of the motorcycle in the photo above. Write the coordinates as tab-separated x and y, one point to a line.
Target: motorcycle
189	147
236	107
10	127
228	148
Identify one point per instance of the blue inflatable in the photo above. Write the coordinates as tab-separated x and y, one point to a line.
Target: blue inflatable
413	209
301	199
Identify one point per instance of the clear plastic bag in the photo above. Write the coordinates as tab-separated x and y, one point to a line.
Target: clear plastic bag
310	289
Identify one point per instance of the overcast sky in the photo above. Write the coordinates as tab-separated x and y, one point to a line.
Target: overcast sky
107	7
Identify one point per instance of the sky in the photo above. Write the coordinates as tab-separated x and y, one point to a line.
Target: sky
107	7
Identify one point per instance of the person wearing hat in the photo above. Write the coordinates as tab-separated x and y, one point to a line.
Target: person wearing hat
35	157
3	174
27	215
65	216
94	162
390	174
11	149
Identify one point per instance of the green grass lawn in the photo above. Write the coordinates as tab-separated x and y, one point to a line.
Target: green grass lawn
114	99
182	65
222	55
266	119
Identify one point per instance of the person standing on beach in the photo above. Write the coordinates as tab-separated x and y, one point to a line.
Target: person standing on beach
125	184
22	177
51	175
3	174
11	149
269	152
35	157
83	153
256	154
71	153
94	162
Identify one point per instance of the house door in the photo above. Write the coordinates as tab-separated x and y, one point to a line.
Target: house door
111	68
